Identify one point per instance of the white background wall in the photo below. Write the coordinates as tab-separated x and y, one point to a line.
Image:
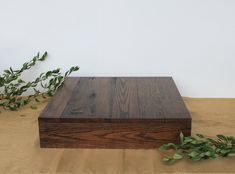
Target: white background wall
191	40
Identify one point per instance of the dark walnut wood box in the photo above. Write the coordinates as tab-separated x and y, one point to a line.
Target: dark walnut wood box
114	112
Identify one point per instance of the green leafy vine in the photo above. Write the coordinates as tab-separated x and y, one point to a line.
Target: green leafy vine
199	148
12	86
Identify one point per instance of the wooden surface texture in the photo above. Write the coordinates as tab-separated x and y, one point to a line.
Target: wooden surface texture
117	98
21	153
114	112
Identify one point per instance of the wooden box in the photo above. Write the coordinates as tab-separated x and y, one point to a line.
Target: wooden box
114	112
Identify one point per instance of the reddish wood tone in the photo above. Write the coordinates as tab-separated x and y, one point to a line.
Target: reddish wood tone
114	112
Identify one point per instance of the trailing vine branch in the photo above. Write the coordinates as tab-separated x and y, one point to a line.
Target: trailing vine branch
199	148
12	87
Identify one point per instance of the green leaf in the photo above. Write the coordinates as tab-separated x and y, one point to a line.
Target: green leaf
56	70
188	139
166	159
196	158
11	70
12	107
49	73
194	142
211	140
7	71
43	56
193	154
224	151
22	103
181	137
222	137
202	155
168	146
208	153
177	156
21	81
75	68
50	93
200	135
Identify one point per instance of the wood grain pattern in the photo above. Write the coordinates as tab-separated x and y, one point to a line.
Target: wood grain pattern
106	135
114	112
60	99
21	153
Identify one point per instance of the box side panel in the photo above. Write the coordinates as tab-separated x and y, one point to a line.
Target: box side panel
111	135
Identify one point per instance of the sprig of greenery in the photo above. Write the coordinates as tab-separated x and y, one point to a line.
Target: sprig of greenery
199	148
10	75
13	87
